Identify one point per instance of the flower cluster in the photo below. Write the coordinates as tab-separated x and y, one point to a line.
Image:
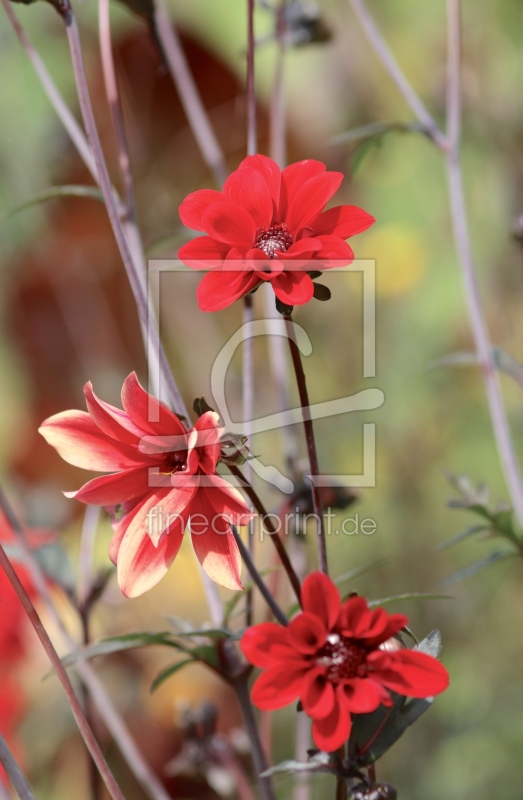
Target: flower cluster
268	225
163	479
331	657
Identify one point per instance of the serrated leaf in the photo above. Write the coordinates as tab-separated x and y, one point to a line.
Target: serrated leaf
168	671
397	598
57	191
472	569
470	531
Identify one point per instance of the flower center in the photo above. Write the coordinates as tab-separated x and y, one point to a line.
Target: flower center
343	657
274	240
176	461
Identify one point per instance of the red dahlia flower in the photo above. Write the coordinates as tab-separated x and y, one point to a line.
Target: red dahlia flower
268	225
330	658
163	479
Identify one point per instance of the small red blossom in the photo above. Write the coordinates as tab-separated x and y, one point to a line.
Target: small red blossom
330	658
268	225
163	479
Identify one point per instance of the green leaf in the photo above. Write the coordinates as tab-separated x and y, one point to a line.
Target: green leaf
168	671
467	572
54	192
461	536
118	644
373	734
357	571
462	358
505	363
398	598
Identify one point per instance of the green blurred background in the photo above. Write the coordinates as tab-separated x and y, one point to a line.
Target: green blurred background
67	316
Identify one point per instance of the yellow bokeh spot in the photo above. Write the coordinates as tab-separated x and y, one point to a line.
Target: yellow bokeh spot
400	256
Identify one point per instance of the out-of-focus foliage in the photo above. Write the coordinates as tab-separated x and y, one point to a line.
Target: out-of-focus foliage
66	316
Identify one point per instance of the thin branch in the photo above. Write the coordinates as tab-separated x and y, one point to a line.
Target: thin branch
57	101
258	580
273	533
136	277
13	772
252	127
258	755
85	558
482	342
248	415
386	57
311	445
113	98
76	709
277	109
108	713
189	95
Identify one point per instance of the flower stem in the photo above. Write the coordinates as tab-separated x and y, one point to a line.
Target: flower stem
258	580
258	756
341	789
273	533
248	414
449	144
482	342
386	57
311	444
113	98
252	127
192	103
13	772
136	277
108	713
87	734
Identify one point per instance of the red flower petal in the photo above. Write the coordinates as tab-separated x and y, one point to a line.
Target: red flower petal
362	695
409	672
342	221
226	499
147	412
140	564
194	206
278	686
332	732
112	421
270	171
208	442
395	623
320	596
317	694
356	617
300	252
307	633
221	288
311	198
203	253
230	223
110	490
292	178
248	189
334	250
214	543
266	644
81	443
293	288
